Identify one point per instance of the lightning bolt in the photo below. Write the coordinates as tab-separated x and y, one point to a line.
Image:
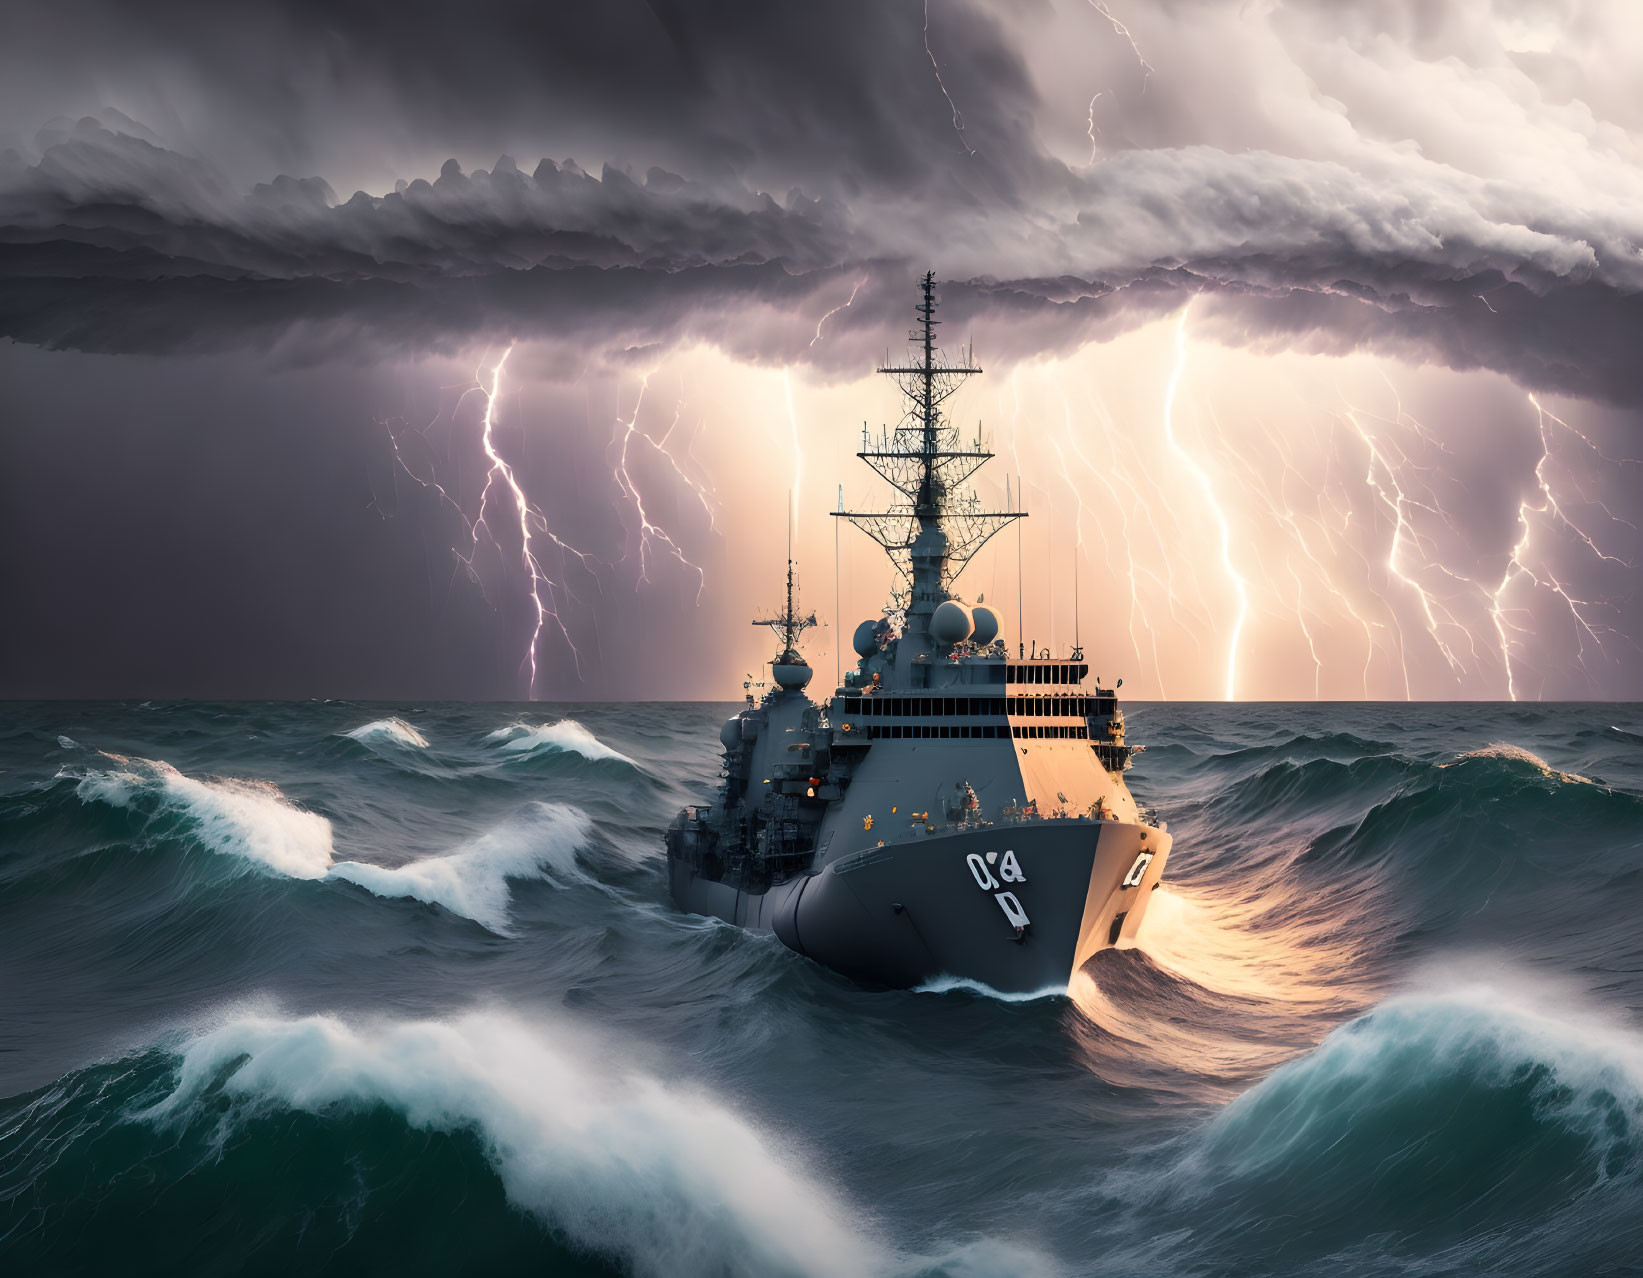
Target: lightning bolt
1549	502
705	496
650	533
1240	587
1396	501
1355	513
1517	567
830	314
1091	131
1146	67
542	589
1285	515
1281	515
541	586
958	120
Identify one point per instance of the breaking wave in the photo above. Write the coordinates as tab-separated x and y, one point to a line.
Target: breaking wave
1465	1126
522	1123
253	820
1290	1072
392	731
248	819
540	841
566	736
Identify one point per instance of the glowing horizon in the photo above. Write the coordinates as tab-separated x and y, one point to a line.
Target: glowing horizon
1288	495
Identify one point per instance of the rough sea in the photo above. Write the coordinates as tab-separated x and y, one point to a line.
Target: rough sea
364	989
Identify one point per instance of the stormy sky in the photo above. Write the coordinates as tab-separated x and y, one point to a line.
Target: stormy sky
416	351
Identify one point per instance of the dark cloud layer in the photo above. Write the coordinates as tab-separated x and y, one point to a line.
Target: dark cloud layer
111	242
288	204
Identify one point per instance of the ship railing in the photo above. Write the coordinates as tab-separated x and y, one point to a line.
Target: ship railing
924	825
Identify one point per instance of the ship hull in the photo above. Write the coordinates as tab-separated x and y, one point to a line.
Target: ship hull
1017	908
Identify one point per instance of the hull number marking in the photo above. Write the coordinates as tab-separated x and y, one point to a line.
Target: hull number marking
1009	871
1138	870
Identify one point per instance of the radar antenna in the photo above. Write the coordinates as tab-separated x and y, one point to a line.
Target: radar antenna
789	625
938	525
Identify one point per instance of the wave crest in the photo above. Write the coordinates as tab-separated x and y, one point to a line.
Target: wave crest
541	841
248	819
390	731
566	736
625	1166
1449	1117
1513	754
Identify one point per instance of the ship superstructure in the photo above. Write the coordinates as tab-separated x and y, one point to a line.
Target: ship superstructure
951	810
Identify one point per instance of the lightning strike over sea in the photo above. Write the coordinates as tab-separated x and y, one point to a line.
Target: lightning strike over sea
1182	814
1239	586
648	533
539	585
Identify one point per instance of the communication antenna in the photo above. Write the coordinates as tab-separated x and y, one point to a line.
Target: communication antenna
790	626
1077	641
838	616
1020	594
935	524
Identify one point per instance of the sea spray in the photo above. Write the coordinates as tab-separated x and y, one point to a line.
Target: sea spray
249	819
538	841
567	736
1435	1122
1309	891
391	731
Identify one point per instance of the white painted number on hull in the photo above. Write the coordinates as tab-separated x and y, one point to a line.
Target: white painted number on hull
1009	869
981	872
1138	870
1012	909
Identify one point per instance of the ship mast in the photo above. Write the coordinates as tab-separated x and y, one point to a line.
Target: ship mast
938	526
789	625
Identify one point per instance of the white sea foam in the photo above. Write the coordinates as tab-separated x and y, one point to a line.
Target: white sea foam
1517	754
950	984
540	841
566	735
1585	1068
249	819
389	731
1484	1077
253	820
663	1180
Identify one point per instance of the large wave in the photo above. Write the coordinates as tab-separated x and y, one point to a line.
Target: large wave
658	1178
249	819
566	736
254	821
1469	1125
392	731
539	841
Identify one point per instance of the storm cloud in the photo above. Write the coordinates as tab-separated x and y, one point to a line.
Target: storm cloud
812	148
260	262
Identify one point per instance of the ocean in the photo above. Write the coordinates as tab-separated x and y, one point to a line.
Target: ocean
337	988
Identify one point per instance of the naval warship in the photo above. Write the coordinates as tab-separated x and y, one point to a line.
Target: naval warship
951	811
